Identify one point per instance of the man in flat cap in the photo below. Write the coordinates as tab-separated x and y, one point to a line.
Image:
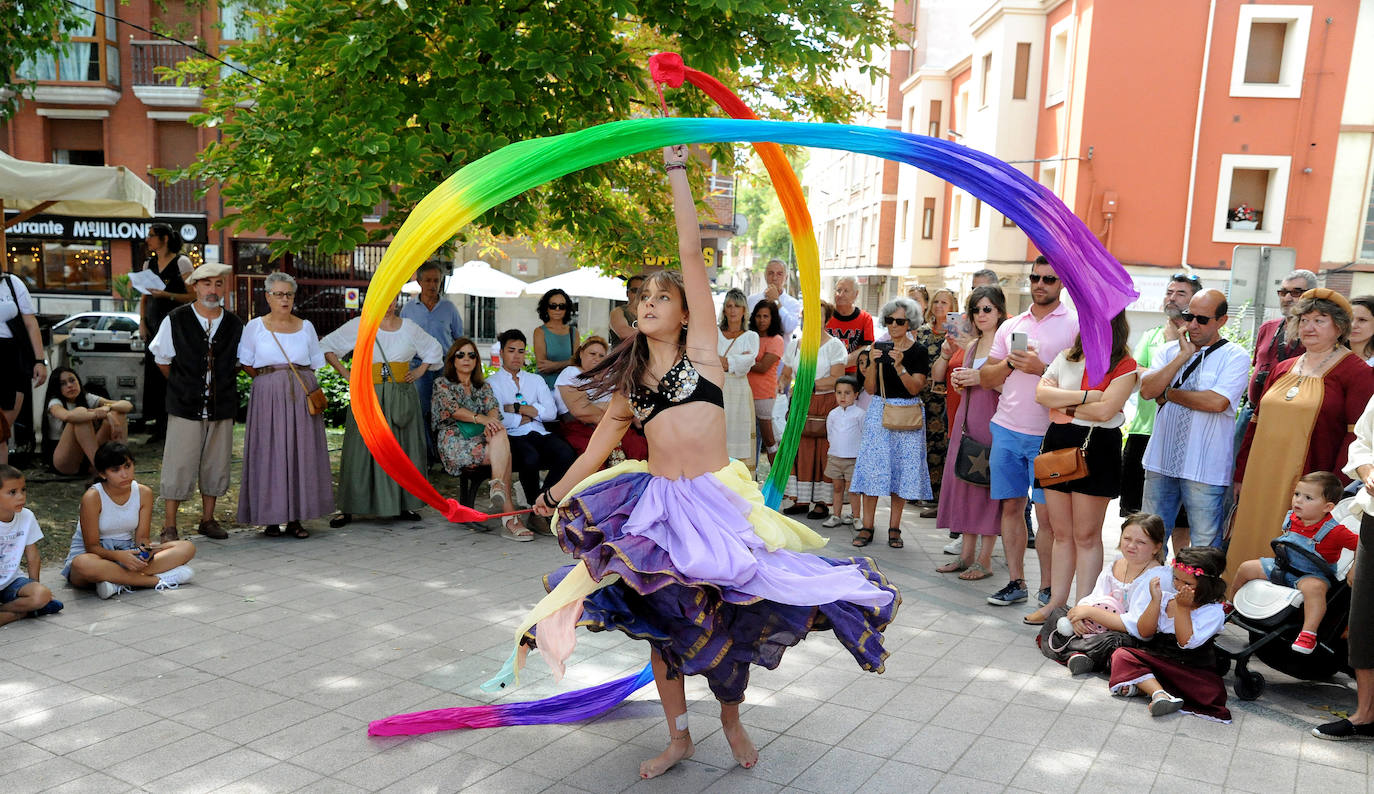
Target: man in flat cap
196	347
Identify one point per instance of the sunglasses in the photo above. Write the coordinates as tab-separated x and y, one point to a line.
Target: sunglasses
558	307
984	309
472	354
894	321
1291	293
1049	280
1185	277
1188	318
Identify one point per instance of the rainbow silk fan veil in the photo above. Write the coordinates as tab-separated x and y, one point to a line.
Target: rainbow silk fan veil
1100	288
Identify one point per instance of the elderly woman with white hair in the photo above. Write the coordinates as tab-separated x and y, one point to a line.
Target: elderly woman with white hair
892	456
285	457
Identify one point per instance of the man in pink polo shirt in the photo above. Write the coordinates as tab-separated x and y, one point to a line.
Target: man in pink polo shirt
1019	425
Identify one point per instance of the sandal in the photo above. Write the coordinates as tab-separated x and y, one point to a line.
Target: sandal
1036	618
1162	703
296	530
340	520
954	567
519	532
497	495
894	538
272	530
169	534
975	572
863	537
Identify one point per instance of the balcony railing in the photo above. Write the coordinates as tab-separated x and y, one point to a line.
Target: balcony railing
179	197
148	55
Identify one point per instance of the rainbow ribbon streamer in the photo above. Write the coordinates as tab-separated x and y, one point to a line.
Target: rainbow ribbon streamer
1099	285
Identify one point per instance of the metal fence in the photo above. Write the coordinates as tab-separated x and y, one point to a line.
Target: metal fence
148	55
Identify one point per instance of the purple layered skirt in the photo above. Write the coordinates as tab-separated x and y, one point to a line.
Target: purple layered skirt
286	473
704	589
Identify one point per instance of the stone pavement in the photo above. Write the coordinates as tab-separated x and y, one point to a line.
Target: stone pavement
261	676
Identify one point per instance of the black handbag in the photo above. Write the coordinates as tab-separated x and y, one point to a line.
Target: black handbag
972	463
20	332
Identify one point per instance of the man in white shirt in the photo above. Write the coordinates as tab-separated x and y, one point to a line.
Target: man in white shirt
1198	381
526	404
775	279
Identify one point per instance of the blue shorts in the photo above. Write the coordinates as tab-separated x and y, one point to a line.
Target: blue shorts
1284	577
1013	465
12	589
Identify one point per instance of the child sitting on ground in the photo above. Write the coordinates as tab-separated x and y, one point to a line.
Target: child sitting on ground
20	595
1176	668
1308	525
844	429
1120	596
110	549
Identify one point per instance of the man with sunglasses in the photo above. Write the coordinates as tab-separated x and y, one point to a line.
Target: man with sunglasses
440	319
1197	381
1177	294
1018	426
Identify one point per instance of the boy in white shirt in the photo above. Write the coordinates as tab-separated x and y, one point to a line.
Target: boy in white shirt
844	427
19	595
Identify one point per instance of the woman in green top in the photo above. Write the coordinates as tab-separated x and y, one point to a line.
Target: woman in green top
555	340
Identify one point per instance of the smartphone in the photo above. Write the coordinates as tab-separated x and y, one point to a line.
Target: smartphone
955	324
1019	341
883	347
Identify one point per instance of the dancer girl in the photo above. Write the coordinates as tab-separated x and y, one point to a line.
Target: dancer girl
708	574
1176	669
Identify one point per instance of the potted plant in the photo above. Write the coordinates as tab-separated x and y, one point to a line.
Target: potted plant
1243	218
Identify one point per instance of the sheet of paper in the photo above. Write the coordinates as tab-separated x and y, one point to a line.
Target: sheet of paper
145	281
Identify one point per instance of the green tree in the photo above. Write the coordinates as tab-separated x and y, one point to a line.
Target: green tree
350	105
32	30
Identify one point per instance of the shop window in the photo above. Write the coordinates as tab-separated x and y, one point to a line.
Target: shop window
1057	70
1252	191
91	55
192	251
254	257
928	219
1271	51
61	266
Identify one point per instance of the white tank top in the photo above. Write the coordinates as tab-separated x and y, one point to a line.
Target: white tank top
117	522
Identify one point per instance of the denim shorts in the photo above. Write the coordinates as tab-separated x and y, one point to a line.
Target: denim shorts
1013	465
1284	577
12	589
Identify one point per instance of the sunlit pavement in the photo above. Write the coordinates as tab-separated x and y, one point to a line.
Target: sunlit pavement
262	674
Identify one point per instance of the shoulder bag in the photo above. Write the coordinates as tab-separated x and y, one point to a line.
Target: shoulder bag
20	332
972	461
316	402
1063	465
900	418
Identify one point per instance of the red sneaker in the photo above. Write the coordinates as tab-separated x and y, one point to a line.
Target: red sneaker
1305	643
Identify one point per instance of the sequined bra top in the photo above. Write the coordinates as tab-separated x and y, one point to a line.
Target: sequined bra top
680	385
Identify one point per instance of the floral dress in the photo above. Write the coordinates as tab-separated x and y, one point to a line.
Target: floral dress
455	450
937	421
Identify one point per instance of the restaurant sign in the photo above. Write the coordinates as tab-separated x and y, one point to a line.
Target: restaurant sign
60	227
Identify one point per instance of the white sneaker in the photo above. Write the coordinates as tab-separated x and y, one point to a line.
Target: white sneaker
955	547
104	590
834	521
171	580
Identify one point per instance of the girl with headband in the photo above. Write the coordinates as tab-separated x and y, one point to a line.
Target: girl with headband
714	579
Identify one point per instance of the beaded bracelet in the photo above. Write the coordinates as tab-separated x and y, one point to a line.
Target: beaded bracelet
674	166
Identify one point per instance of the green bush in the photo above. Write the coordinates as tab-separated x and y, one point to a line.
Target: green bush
334	386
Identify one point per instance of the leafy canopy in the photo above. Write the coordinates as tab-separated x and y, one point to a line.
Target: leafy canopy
358	104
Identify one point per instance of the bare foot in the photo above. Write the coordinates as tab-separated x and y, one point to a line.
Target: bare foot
741	746
680	748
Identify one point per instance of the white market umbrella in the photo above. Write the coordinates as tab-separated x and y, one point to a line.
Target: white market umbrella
584	282
481	279
60	189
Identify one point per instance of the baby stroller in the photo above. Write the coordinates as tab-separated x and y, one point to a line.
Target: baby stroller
1272	615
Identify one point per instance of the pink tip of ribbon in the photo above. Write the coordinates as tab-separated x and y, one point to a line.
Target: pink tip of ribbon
667	68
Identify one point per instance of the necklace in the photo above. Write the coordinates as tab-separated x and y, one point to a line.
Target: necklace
1292	392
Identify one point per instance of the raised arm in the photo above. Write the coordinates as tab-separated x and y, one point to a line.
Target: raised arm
701	325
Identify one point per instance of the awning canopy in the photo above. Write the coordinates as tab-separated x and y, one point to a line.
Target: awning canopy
481	279
93	190
584	282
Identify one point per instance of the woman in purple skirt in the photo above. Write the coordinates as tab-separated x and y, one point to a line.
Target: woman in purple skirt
711	577
285	457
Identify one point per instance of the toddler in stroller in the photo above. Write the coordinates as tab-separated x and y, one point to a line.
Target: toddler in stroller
1298	590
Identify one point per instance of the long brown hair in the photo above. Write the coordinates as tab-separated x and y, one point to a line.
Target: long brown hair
624	367
451	372
1121	330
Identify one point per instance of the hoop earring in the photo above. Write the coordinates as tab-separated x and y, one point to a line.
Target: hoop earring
635	325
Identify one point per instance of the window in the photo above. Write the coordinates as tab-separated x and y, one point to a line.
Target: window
1367	246
1021	77
1008	223
61	265
1271	51
91	56
1049	177
956	216
77	141
928	219
1057	70
480	320
906	212
1260	182
986	78
933	128
977	213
